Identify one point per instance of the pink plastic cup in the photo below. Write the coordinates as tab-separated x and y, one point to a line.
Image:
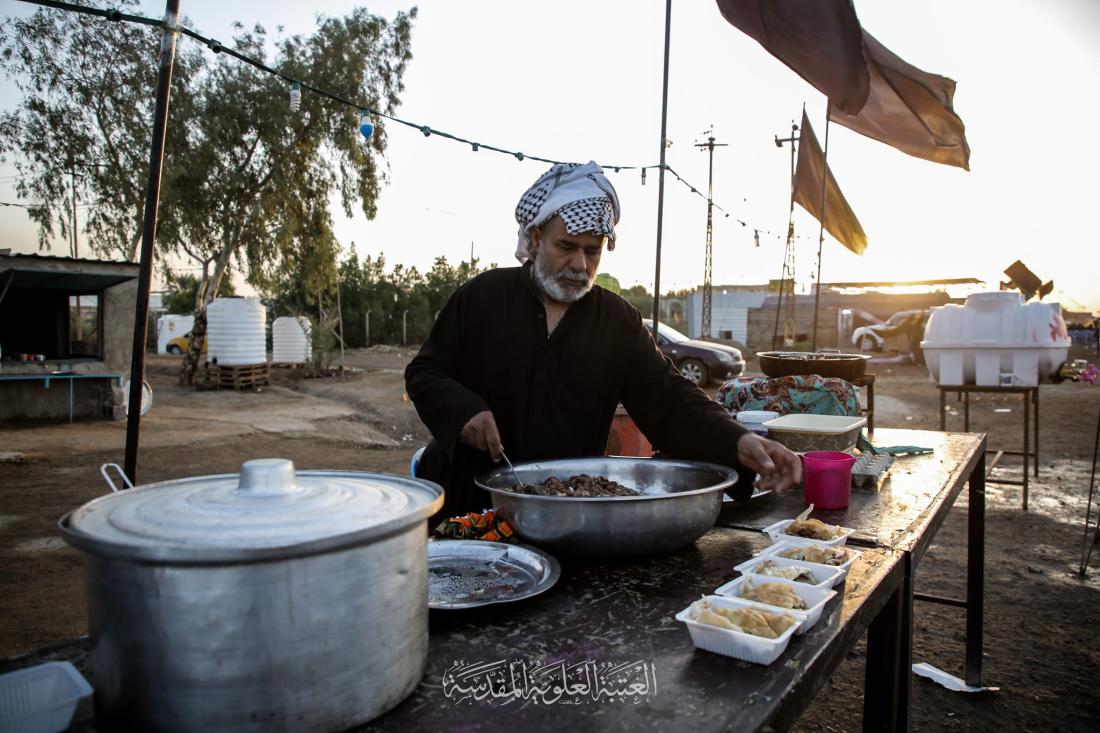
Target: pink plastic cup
827	478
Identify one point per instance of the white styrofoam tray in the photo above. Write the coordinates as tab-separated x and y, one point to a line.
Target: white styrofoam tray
737	644
778	548
777	533
825	576
40	699
814	598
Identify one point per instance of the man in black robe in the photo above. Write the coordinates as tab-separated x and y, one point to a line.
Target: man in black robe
533	360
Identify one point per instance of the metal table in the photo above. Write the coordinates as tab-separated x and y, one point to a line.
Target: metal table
904	515
1030	398
47	377
620	615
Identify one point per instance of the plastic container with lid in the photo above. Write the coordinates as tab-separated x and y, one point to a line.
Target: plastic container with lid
816	432
754	420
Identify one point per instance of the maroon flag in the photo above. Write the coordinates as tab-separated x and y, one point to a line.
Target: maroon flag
818	39
811	170
908	109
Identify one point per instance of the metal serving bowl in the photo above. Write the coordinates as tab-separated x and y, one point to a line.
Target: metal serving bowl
680	501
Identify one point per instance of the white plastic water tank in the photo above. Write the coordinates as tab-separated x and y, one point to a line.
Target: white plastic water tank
290	340
995	339
235	332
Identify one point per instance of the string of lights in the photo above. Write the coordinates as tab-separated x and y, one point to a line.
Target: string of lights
368	115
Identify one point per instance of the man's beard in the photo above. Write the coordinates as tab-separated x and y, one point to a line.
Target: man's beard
566	286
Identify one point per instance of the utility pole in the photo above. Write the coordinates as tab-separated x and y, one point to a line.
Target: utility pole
710	145
789	324
76	255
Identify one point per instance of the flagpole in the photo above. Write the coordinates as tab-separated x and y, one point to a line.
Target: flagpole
821	228
661	175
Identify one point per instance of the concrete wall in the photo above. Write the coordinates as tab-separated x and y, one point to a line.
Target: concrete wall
761	321
118	326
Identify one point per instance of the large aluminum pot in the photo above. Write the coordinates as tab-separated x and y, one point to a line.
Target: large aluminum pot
272	601
680	501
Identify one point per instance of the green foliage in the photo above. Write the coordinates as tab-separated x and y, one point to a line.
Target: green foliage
180	291
366	287
608	282
246	183
640	298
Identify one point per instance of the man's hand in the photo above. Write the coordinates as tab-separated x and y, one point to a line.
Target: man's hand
779	468
481	433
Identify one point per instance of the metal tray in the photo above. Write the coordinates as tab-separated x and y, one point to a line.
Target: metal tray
472	573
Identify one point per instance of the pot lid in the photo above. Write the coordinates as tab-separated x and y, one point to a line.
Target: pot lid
268	505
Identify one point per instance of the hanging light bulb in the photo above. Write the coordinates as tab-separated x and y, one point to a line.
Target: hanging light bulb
643	176
475	147
295	96
365	125
756	236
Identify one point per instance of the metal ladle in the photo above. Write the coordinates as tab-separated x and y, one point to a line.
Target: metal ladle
511	468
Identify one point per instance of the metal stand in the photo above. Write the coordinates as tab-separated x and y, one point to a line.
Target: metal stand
868	381
1030	398
1087	554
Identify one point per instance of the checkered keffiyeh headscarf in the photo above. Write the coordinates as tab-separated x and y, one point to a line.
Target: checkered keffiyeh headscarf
580	194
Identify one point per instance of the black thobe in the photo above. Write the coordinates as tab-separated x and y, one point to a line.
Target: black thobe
552	396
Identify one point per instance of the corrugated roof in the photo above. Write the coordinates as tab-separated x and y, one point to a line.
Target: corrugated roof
54	258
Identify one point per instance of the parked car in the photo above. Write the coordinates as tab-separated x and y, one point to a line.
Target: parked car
699	361
180	344
873	338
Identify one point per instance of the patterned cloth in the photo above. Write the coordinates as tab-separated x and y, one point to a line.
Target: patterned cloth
580	194
474	526
802	394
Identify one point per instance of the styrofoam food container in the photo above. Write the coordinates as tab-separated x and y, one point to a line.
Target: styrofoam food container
40	699
783	545
825	576
816	432
814	598
777	533
738	644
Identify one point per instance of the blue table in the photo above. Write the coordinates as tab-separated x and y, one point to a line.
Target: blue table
47	377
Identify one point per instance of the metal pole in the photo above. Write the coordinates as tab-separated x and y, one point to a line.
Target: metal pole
76	255
149	232
821	229
404	323
661	176
790	222
367	344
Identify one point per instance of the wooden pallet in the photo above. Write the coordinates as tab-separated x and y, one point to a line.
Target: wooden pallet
217	376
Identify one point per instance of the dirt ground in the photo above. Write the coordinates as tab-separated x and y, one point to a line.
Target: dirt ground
1042	621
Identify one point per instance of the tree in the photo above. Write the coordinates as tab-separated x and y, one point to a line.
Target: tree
86	116
246	183
179	293
609	282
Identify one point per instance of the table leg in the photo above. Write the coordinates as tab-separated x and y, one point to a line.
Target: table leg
1027	444
71	399
975	572
1036	420
943	410
890	661
871	409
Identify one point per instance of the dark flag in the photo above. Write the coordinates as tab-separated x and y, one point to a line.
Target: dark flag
811	170
818	39
908	109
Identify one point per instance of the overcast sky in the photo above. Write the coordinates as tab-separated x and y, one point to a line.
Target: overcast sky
573	80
